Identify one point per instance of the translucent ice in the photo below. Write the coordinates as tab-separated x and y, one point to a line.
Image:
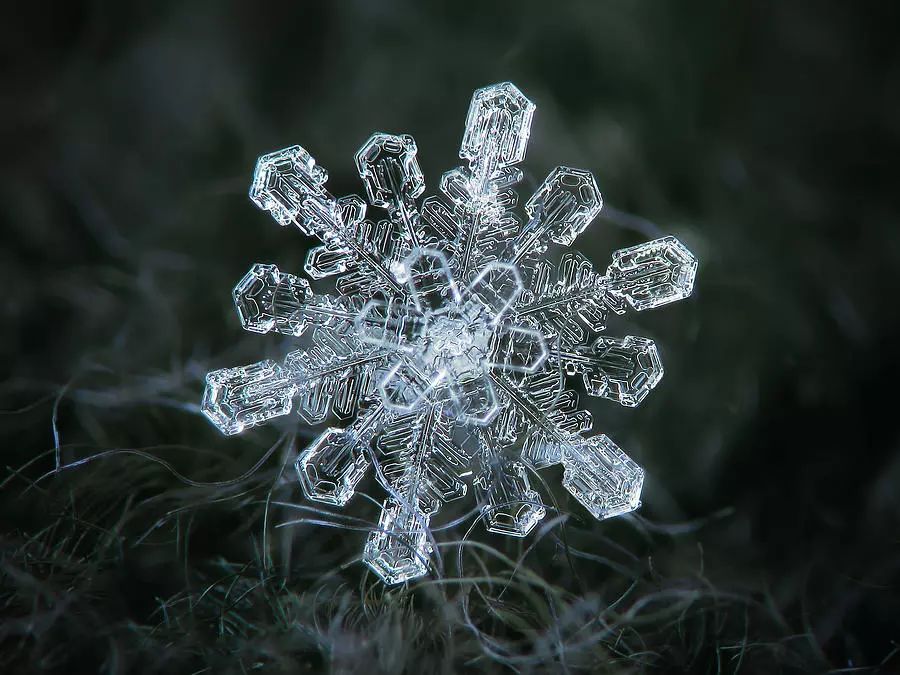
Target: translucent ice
602	477
445	350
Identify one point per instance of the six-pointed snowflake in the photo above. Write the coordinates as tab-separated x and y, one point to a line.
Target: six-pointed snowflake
450	336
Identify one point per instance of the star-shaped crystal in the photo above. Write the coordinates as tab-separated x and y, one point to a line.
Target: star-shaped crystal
447	344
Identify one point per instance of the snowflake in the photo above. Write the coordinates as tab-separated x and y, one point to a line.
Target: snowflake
450	337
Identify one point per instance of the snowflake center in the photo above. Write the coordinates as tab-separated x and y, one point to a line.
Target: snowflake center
452	338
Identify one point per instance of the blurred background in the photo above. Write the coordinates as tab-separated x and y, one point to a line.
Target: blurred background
762	133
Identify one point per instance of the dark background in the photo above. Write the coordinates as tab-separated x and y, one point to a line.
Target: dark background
764	134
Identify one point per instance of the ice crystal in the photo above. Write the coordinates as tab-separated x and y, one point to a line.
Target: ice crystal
447	344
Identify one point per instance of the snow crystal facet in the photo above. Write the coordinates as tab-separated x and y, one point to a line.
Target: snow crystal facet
446	346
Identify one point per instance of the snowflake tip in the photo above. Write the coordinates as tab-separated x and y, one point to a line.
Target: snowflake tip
389	170
653	274
568	201
266	297
604	479
398	550
512	507
280	173
330	468
242	397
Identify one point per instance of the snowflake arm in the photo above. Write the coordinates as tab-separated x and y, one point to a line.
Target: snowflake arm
420	467
291	186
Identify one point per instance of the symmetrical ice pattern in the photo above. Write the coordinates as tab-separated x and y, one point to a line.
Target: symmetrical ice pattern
446	346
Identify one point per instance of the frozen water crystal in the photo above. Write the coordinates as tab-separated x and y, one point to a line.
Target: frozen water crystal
399	549
509	504
602	477
336	461
237	398
448	342
653	274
